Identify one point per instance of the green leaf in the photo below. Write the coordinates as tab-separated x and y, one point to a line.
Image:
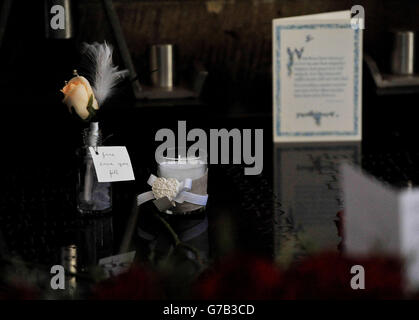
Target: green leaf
92	111
90	103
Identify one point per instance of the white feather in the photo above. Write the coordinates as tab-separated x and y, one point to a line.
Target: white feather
104	75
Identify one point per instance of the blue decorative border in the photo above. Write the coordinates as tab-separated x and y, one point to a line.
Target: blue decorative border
356	82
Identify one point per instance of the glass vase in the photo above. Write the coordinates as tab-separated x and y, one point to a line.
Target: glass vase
93	197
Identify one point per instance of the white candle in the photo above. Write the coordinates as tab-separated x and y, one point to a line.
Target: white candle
182	168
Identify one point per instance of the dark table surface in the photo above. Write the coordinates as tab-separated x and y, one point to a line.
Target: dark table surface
284	213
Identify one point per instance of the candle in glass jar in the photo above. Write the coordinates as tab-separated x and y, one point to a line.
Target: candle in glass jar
182	168
180	165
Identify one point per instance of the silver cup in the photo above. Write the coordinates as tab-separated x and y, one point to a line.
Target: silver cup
403	53
162	65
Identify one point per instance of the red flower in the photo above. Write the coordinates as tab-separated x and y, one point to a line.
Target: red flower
240	277
383	277
19	292
136	284
328	276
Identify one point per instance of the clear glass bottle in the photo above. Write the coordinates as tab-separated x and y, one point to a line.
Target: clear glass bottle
93	197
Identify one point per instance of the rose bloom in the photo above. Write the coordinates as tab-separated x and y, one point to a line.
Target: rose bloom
240	277
19	291
138	283
77	93
328	276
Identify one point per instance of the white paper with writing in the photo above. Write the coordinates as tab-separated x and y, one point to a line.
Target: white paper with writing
379	219
371	214
115	265
409	212
112	164
317	72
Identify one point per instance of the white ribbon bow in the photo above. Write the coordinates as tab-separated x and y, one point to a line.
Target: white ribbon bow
174	190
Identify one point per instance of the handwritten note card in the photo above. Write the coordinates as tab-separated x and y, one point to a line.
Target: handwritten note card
112	164
381	220
115	265
317	71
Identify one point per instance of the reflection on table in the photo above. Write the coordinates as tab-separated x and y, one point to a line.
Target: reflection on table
306	182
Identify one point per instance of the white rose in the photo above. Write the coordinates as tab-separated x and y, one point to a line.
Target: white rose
78	94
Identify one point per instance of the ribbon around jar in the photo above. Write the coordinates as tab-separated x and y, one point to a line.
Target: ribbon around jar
169	191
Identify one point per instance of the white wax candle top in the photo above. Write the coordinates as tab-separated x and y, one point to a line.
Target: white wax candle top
182	169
